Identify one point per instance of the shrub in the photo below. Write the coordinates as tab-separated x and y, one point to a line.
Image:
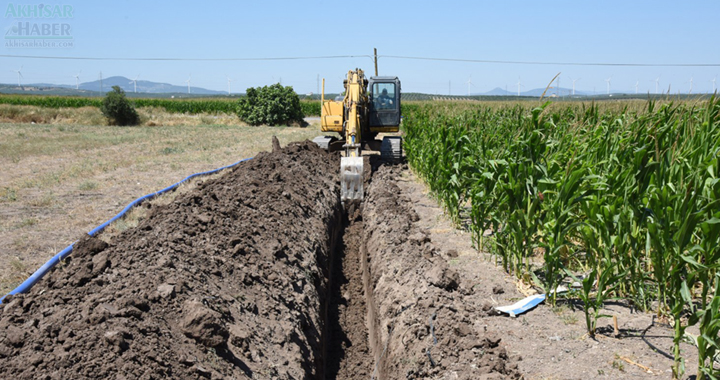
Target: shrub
117	109
270	105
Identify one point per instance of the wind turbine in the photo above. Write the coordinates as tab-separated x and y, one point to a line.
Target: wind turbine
574	80
469	83
519	85
691	83
19	75
636	86
77	80
229	80
134	82
713	82
608	84
657	84
188	82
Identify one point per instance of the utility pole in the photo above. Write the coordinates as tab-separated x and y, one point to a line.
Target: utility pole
376	72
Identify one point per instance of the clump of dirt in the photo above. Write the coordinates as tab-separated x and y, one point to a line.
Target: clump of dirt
421	325
228	281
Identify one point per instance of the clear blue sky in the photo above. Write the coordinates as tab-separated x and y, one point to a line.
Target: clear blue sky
559	31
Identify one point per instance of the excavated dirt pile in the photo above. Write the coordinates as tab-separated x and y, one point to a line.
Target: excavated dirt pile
227	281
260	273
421	324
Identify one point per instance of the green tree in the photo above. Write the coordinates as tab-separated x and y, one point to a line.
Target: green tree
118	109
270	105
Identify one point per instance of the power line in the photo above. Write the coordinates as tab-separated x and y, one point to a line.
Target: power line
183	59
370	57
555	63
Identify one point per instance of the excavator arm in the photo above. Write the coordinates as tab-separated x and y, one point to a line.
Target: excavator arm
355	107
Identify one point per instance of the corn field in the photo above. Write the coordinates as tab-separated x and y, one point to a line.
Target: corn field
623	202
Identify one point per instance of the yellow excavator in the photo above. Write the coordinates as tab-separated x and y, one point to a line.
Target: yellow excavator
369	107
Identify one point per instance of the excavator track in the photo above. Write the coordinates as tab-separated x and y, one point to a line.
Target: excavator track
391	149
324	141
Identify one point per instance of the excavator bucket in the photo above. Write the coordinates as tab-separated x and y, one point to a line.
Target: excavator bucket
351	178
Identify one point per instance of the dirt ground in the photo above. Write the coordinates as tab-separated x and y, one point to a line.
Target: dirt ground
419	312
549	343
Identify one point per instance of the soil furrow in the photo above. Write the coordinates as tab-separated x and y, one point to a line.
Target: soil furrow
348	353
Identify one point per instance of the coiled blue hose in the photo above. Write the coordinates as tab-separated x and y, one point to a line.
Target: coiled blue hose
43	270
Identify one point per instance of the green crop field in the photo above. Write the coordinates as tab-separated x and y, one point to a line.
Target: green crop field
189	106
622	199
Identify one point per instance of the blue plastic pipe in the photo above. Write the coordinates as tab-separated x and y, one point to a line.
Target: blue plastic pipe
35	277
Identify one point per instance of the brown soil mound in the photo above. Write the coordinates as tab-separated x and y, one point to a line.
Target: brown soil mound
228	281
421	325
248	276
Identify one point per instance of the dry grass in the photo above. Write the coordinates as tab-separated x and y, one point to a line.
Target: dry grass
40	115
62	180
91	116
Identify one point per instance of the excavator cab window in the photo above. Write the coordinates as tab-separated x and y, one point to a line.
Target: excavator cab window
385	95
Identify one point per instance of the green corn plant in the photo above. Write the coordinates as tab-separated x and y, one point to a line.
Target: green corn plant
561	221
605	279
671	233
707	342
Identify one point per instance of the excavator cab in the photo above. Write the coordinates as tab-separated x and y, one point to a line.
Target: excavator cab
384	93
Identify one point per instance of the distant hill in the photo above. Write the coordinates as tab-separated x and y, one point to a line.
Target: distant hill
145	86
44	89
93	88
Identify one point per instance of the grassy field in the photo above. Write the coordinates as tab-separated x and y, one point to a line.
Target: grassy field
61	180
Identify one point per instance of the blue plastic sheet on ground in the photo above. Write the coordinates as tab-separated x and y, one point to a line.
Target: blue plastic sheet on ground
522	306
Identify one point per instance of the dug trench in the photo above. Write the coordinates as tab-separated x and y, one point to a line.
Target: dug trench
260	273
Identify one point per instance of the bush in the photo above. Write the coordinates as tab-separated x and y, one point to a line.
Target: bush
270	105
117	109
